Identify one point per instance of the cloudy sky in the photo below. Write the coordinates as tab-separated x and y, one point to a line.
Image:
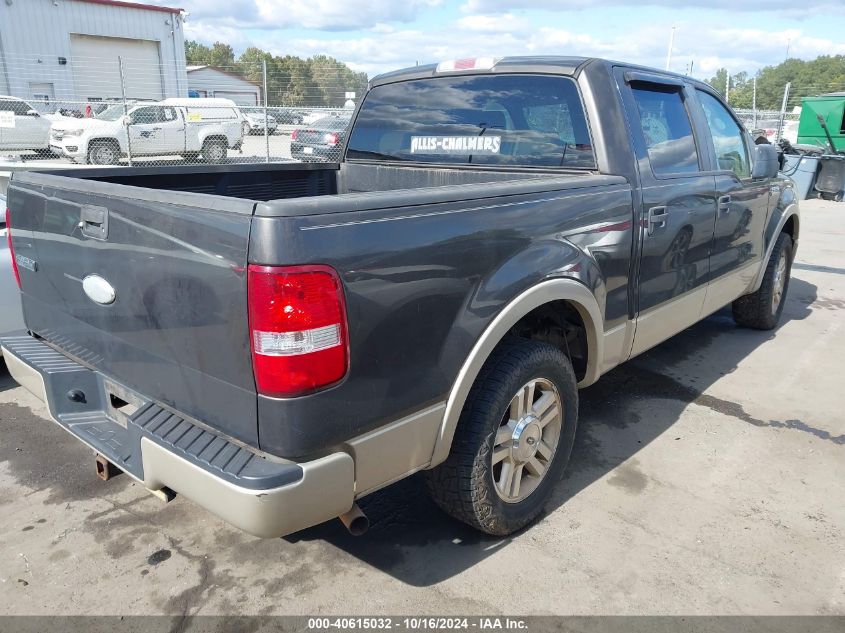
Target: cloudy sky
379	35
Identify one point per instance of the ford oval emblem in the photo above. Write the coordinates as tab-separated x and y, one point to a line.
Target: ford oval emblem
98	290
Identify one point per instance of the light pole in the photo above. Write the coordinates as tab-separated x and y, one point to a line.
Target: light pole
671	46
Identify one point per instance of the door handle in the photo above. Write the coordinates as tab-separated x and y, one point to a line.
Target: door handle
657	217
725	204
94	222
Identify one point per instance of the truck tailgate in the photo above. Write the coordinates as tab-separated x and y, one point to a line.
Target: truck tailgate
176	330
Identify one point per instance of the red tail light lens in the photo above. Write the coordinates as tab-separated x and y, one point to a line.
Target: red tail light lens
331	138
12	248
297	320
294	135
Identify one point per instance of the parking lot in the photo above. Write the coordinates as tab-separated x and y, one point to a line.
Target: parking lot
707	478
256	147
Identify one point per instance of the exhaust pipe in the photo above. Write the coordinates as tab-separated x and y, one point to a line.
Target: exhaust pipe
105	469
355	521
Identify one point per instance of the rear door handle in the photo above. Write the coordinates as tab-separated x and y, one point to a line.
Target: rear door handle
657	217
725	204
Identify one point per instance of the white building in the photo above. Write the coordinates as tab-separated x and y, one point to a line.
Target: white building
210	81
77	50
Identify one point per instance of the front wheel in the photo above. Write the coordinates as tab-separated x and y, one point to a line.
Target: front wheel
513	439
103	153
214	150
761	310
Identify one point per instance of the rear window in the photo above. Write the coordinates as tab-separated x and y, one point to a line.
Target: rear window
514	120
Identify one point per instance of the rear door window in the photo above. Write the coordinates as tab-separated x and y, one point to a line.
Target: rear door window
666	129
514	120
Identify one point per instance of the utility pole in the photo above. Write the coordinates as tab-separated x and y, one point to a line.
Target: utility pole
788	42
671	46
727	86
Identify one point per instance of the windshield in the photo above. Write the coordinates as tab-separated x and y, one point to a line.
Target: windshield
331	123
112	113
517	120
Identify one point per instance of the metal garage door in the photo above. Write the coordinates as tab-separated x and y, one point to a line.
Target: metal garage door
96	71
241	98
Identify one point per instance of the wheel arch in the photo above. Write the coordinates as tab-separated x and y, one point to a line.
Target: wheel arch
574	293
785	219
104	139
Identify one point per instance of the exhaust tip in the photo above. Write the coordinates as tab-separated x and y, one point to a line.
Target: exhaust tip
355	521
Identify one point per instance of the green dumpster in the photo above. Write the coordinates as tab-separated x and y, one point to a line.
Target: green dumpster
832	108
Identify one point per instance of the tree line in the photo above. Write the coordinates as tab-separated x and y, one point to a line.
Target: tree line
822	75
291	81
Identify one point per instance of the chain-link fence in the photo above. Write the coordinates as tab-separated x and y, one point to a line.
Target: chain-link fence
131	111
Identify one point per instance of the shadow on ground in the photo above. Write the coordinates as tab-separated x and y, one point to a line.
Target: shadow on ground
6	381
413	541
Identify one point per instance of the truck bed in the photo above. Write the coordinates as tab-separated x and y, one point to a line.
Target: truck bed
411	248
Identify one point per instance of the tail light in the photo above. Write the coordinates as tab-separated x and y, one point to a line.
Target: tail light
12	248
297	320
294	135
331	138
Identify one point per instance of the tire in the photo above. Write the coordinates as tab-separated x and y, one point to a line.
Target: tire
837	197
103	153
214	150
491	440
761	310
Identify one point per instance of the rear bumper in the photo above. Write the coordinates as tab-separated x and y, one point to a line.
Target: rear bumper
322	153
165	450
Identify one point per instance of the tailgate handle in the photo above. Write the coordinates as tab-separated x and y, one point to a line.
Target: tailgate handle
94	222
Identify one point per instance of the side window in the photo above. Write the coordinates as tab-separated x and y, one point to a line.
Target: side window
20	108
728	137
145	116
666	129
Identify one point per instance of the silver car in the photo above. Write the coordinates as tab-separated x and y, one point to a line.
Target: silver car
22	127
11	316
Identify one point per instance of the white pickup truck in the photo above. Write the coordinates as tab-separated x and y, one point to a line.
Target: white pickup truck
185	127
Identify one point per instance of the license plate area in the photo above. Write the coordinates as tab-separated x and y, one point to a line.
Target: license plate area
307	150
121	403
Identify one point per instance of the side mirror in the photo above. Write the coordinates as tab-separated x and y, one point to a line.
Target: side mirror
32	113
765	161
127	120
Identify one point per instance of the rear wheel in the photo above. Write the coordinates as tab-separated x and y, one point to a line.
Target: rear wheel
103	153
513	439
214	150
761	310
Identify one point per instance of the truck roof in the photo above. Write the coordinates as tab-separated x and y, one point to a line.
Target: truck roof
558	64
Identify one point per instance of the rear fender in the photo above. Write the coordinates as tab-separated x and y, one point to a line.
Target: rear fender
574	278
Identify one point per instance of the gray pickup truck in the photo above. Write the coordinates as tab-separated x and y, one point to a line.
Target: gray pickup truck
276	341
